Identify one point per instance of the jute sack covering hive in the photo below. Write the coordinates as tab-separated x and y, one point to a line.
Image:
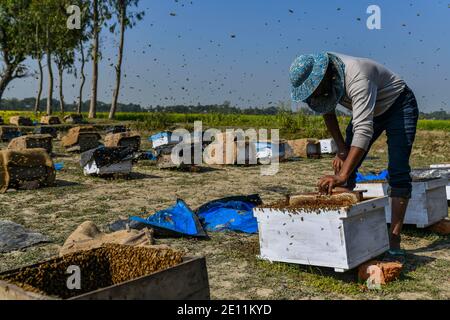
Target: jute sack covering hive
87	236
19	167
21	121
73	119
50	120
81	139
35	141
303	148
124	139
225	150
102	267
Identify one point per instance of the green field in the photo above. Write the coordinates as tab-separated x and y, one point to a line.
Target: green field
296	125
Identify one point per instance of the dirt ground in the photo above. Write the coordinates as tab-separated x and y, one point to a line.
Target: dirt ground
234	271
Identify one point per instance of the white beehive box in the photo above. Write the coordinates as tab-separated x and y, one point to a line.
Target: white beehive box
123	167
328	146
443	166
427	206
340	239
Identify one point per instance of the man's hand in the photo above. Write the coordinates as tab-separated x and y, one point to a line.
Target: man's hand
328	183
339	160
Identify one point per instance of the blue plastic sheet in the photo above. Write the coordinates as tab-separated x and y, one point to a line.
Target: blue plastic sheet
179	219
229	215
383	175
59	166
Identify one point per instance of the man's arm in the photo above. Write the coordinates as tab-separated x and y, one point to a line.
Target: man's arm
332	124
328	183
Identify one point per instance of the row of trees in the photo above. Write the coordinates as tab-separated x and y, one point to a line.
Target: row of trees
61	33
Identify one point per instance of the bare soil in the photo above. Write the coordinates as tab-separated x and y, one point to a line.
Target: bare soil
233	268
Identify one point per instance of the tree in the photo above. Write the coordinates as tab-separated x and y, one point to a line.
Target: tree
82	39
15	39
58	42
126	19
99	13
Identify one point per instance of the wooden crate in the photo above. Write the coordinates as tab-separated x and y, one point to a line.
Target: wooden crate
185	281
340	239
427	206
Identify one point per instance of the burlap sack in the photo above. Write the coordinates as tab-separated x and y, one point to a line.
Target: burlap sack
303	148
73	135
50	120
87	236
222	151
124	139
226	151
19	166
21	121
35	141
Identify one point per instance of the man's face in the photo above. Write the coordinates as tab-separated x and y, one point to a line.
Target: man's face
324	88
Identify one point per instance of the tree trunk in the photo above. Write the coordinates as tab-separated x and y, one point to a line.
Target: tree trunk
39	93
83	79
61	89
123	14
6	78
95	49
50	84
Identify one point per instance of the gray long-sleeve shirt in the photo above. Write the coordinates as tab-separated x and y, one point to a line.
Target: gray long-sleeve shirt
370	90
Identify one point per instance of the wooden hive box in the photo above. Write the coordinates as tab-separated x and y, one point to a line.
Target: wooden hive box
50	120
9	133
328	146
35	141
225	150
184	280
337	238
124	139
18	167
303	148
446	167
107	161
73	119
21	121
427	206
164	158
81	139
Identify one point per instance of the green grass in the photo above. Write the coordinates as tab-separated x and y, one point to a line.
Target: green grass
291	125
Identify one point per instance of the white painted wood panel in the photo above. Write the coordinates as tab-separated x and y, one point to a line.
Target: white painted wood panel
339	239
427	206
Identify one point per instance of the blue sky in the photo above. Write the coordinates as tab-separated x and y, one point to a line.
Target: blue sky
241	50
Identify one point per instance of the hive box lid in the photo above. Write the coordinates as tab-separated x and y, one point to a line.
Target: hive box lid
357	209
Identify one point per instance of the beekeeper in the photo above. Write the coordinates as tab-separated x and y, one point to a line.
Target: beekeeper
380	101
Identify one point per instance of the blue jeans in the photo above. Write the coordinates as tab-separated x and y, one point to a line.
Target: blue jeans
400	124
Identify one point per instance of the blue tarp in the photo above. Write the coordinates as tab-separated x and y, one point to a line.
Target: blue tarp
229	215
178	218
383	175
233	213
